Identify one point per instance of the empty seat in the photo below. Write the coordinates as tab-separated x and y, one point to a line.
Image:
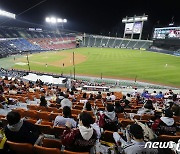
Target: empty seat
44	150
108	136
32	107
20	148
31	113
46	123
58	130
71	152
31	121
43	115
46	129
78	107
126	122
167	138
54	110
147	117
74	111
51	143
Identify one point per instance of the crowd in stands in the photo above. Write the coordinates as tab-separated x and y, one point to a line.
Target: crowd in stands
17	41
39	114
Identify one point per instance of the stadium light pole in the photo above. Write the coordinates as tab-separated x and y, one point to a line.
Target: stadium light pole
28	63
74	67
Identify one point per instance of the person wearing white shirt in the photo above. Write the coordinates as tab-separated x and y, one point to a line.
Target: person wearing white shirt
61	120
66	102
154	94
113	97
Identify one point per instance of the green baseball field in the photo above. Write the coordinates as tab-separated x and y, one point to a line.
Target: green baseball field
112	63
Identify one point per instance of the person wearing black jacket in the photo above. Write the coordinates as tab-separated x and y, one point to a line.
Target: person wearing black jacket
19	130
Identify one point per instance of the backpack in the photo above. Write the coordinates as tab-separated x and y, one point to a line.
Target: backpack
101	120
107	148
148	133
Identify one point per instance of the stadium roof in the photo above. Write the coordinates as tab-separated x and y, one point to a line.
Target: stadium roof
94	16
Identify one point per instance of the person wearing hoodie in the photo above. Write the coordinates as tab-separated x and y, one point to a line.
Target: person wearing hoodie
165	125
19	130
80	139
110	119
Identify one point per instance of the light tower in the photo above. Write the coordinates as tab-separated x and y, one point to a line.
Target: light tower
55	21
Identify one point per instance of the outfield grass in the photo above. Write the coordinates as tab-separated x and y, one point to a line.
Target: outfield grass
117	63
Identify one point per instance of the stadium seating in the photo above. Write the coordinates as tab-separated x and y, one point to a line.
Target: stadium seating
103	41
17	41
43	117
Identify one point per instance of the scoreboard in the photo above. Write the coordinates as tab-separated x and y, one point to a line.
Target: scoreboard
167	32
135	28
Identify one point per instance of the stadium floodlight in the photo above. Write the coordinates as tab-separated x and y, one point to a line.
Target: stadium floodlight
65	20
59	20
124	20
137	19
48	19
55	20
144	18
130	20
7	14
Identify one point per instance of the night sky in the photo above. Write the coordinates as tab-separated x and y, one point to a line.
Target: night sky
96	16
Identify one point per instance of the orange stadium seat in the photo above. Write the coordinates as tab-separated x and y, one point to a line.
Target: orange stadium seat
31	121
54	115
32	107
71	152
147	117
51	143
126	122
43	116
75	111
108	136
54	110
78	107
58	130
31	114
44	150
20	148
166	138
45	129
